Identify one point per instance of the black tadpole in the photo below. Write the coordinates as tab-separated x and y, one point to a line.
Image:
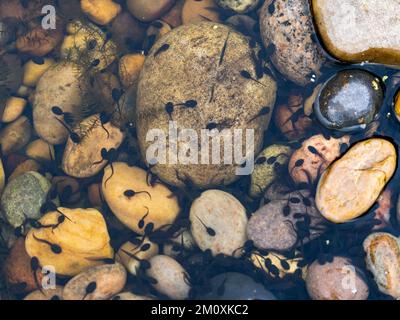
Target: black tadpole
162	49
90	288
55	248
131	193
245	74
210	231
263	112
141	222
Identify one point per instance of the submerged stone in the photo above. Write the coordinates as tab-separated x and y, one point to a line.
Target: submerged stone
236	286
359	30
349	101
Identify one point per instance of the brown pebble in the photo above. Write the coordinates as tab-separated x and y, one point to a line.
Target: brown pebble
196	11
17	269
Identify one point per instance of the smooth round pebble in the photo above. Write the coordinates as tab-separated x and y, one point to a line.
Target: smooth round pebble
147	11
13	109
61	86
349	101
352	184
130	66
336	280
15	135
131	197
218	222
170	276
24	167
291	120
105	281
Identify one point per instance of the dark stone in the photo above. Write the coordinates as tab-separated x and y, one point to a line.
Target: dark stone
236	286
349	101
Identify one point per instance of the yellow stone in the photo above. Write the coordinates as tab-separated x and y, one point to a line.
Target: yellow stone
157	201
13	109
33	71
130	66
76	46
352	184
82	237
100	11
40	150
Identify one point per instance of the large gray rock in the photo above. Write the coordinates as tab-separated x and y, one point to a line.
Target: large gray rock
23	197
359	30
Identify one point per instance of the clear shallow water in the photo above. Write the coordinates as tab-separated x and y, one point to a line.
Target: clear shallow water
337	240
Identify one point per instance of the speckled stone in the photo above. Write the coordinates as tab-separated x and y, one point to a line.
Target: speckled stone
383	260
191	69
335	281
270	229
236	286
287	27
23	197
265	172
349	101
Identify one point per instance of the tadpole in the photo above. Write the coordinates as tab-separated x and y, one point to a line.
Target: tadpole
210	231
131	193
55	248
90	288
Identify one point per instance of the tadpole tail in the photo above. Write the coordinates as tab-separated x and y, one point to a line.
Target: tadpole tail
112	173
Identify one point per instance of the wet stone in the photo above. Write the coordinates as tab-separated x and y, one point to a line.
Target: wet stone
97	283
326	281
358	30
280	224
236	286
349	101
23	198
286	31
383	260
